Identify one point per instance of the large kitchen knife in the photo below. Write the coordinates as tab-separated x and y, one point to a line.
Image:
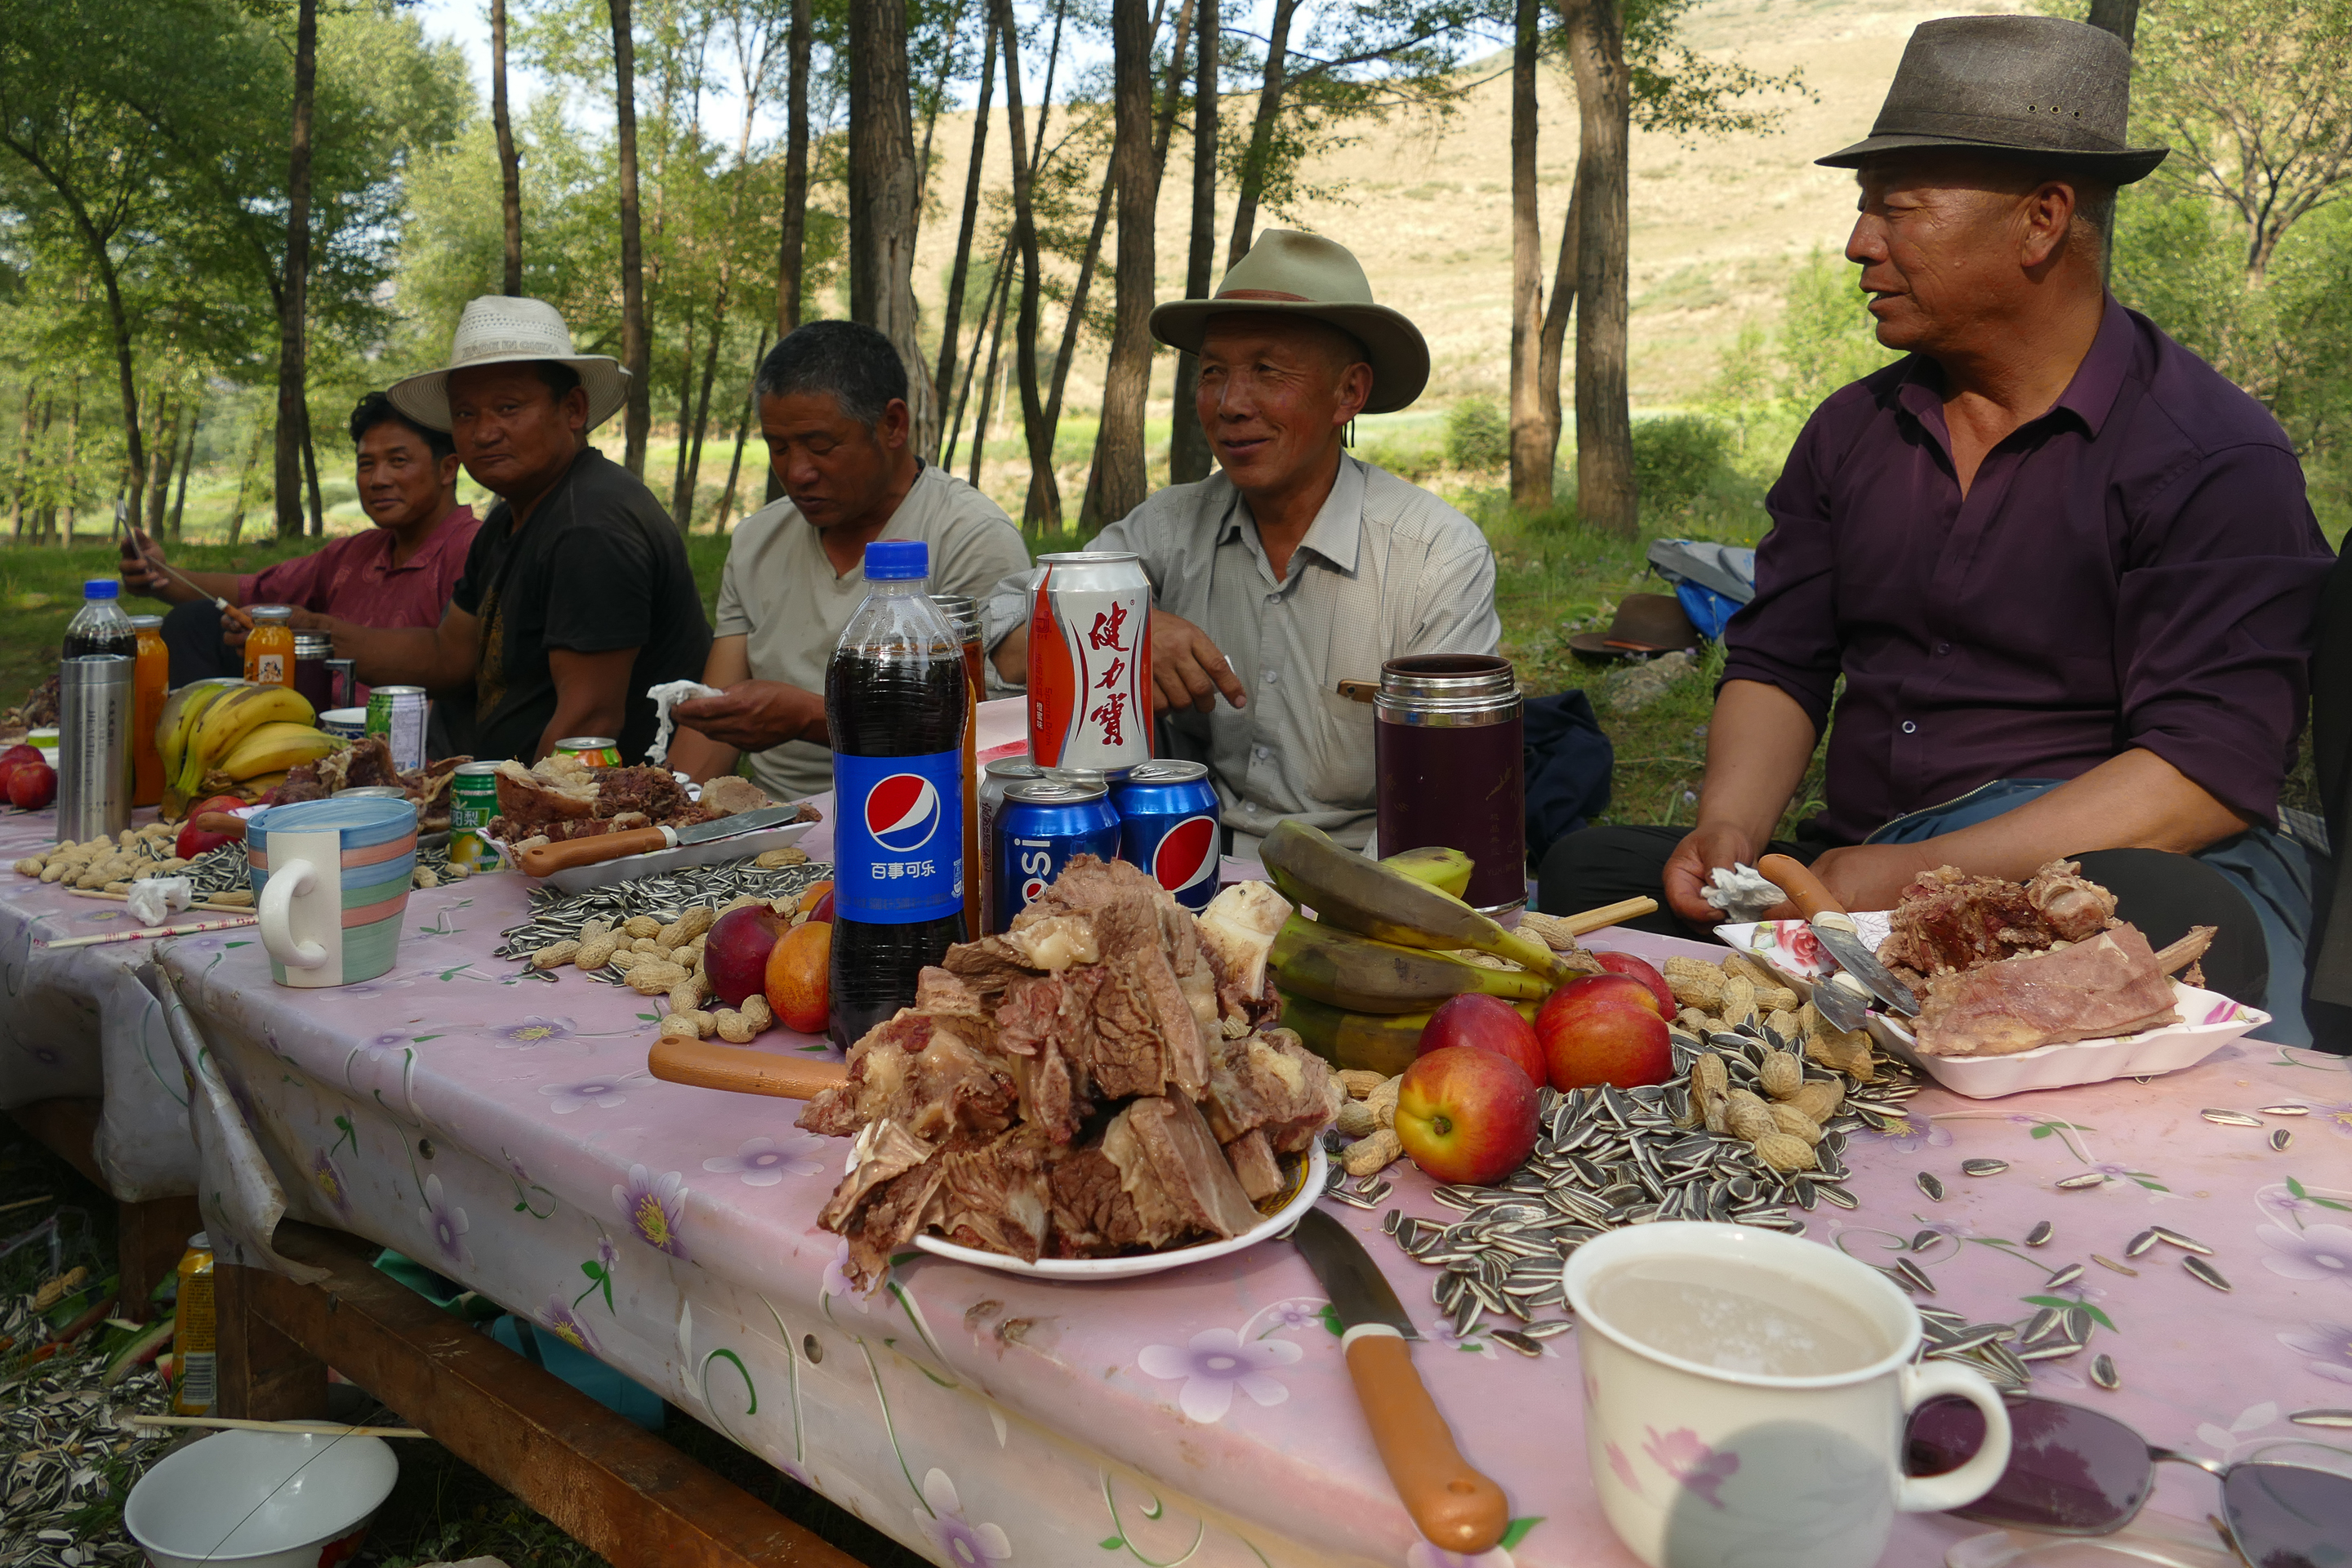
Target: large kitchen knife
1861	978
563	854
1453	1505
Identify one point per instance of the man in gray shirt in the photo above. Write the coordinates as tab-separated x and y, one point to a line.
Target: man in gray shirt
832	410
1297	565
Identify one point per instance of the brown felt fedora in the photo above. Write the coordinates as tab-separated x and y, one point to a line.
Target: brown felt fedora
2040	88
1293	274
1645	623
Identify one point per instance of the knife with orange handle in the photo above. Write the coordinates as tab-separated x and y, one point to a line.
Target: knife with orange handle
564	854
741	1070
1862	981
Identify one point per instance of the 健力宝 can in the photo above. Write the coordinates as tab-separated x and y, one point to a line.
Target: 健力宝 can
1090	664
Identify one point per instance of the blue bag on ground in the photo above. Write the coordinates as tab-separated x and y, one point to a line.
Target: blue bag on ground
1568	762
1713	581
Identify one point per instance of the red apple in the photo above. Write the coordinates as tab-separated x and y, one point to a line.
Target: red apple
1623	989
193	840
735	954
32	785
1487	1023
821	914
1466	1115
1596	1038
21	753
1639	969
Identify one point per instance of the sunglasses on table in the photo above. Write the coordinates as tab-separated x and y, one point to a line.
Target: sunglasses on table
2075	1472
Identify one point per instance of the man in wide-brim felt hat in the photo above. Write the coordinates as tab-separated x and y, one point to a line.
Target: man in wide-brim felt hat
576	596
2066	570
1298	565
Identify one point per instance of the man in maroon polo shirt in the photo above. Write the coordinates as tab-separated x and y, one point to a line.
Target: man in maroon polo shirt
2065	571
399	573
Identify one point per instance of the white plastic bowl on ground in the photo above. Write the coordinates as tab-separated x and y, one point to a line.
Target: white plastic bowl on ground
260	1499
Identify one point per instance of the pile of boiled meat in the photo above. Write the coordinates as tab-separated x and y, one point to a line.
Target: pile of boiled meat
1097	1080
2002	967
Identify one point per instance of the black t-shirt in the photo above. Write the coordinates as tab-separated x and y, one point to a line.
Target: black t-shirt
598	566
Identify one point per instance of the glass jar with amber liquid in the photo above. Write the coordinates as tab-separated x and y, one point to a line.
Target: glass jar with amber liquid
270	646
150	681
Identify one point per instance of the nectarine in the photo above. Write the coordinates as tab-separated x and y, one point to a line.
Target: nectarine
1466	1115
797	987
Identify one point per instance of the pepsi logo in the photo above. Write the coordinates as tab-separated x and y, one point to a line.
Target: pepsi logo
1187	856
902	812
1032	890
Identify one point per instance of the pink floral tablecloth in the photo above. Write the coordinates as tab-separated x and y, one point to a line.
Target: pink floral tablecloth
84	1023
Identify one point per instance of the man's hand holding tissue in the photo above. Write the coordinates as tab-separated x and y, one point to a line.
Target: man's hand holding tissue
748	716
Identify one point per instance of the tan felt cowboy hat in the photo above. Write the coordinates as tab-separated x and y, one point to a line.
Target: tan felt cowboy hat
2053	90
500	329
1293	274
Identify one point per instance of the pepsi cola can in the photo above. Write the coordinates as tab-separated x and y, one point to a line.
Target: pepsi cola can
1168	825
1001	776
1090	664
1041	827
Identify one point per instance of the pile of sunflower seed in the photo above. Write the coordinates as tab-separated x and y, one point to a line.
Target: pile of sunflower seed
60	1432
559	917
1605	1158
222	868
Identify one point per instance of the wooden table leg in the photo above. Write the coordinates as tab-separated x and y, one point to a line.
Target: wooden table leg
621	1491
264	1374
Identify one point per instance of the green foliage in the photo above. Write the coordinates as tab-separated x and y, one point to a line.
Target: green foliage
1689	95
1826	337
1679	459
1477	435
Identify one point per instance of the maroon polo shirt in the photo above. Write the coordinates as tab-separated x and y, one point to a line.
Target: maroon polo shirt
2139	567
353	577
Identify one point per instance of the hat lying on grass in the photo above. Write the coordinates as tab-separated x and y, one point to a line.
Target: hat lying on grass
1645	623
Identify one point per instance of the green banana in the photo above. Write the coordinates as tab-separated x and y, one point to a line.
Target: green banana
1447	870
1383	1043
1377	901
1340	969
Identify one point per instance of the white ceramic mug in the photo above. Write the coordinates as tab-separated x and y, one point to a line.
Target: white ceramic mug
1700	1467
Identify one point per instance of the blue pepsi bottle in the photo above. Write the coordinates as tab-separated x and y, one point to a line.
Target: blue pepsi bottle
894	698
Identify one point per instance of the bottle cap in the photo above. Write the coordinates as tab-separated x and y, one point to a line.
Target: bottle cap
106	588
897	559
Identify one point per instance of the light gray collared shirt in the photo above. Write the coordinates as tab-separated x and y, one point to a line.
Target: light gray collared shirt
1386	569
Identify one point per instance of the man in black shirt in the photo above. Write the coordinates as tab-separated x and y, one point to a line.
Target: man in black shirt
577	595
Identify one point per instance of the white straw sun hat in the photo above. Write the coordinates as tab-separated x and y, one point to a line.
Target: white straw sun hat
500	329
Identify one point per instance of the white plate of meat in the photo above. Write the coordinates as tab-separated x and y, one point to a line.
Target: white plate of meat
1306	1177
560	798
2022	985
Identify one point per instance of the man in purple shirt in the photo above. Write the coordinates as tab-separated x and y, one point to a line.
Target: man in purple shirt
2067	571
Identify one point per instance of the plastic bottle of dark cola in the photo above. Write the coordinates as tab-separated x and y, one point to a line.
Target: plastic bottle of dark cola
894	696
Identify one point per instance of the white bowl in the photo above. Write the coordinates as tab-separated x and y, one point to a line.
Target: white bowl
2209	1021
1308	1176
260	1499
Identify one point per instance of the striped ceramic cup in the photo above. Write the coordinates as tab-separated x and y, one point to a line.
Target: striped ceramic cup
331	879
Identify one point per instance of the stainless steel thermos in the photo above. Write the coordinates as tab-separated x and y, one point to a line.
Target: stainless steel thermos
95	708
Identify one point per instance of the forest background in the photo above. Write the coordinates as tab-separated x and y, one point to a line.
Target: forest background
223	220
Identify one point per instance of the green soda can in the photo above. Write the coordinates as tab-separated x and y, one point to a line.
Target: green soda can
473	802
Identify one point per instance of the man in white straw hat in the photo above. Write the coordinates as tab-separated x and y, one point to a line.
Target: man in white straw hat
1297	565
576	595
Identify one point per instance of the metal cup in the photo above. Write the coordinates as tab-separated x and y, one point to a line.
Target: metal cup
95	705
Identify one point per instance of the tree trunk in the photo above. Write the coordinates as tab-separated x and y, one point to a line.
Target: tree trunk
882	215
71	489
310	475
1269	109
743	429
167	453
1606	495
685	417
45	513
1041	511
991	303
244	483
988	384
23	480
931	114
1118	482
794	228
2120	17
702	411
1531	456
636	347
509	173
1552	349
951	320
1188	444
1075	322
188	461
295	295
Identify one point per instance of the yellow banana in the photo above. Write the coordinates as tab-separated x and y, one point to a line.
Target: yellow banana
1447	870
178	720
1383	1043
274	748
1377	901
1358	975
231	718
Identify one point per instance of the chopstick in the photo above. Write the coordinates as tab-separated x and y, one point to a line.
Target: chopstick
231	611
149	932
125	898
317	1429
1608	915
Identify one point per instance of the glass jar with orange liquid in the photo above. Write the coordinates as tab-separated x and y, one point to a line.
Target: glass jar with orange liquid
150	682
270	646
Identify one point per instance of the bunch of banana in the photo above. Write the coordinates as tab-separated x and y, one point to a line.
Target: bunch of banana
241	734
1387	901
182	708
1384	1043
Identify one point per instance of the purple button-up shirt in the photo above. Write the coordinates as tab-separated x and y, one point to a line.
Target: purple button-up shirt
2139	567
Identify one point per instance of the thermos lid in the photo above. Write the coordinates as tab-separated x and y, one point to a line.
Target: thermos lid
897	559
1446	683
